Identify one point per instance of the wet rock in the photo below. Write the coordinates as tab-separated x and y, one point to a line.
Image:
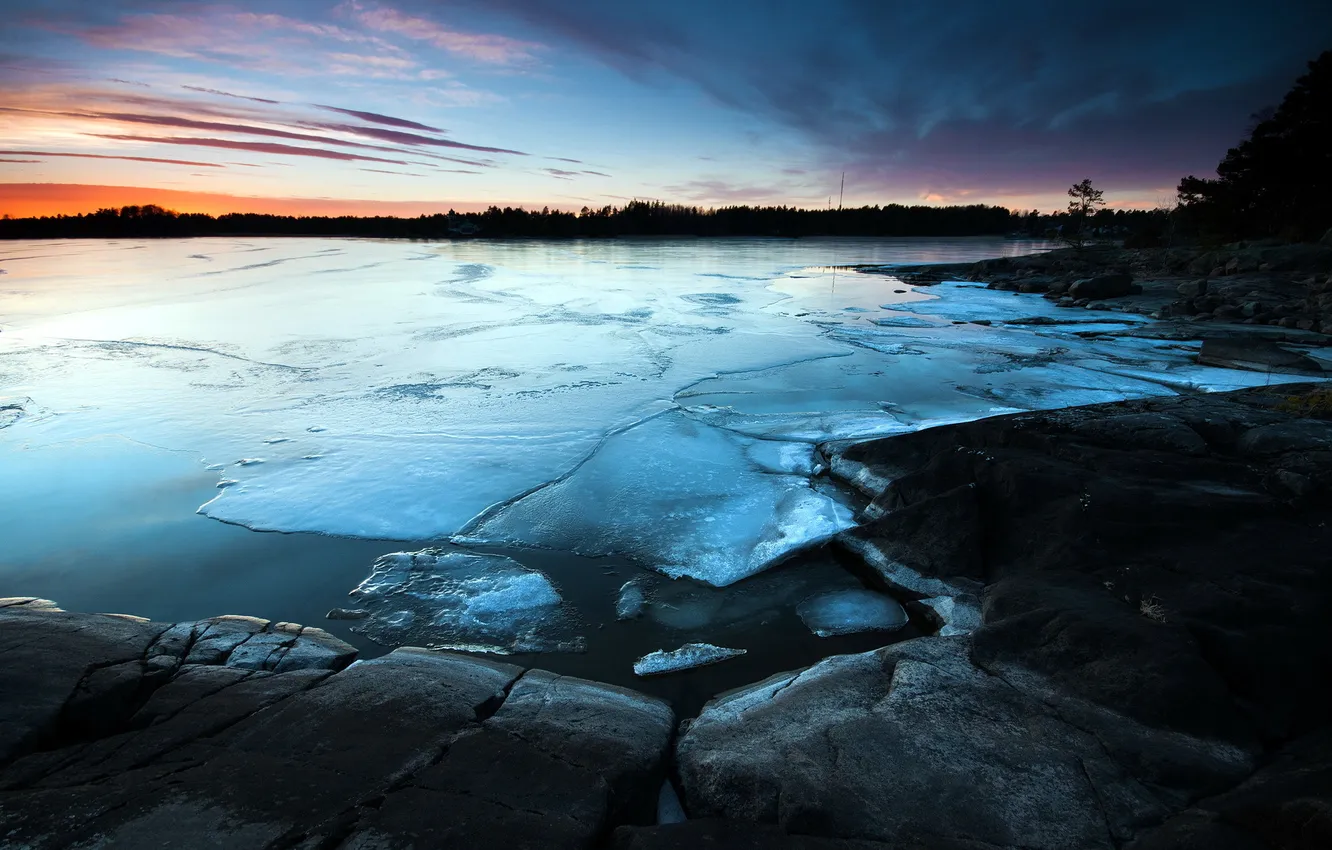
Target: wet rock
1192	288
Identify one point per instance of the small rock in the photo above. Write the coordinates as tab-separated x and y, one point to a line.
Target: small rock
347	614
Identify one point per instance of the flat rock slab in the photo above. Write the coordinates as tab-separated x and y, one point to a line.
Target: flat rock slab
416	747
45	655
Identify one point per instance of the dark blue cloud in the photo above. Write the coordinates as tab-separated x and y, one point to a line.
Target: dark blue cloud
976	94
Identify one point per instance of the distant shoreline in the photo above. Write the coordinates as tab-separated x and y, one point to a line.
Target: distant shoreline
637	219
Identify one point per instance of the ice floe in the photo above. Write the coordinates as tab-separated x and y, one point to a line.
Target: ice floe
846	612
685	658
631	600
678	496
462	600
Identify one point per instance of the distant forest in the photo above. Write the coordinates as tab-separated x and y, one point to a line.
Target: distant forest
638	218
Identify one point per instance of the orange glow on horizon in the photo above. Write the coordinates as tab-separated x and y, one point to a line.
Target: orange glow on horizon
24	200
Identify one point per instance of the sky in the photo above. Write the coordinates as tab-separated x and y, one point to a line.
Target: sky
409	106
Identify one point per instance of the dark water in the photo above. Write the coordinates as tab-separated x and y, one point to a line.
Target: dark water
134	545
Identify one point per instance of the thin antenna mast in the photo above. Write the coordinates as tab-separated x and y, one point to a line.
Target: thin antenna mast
841	192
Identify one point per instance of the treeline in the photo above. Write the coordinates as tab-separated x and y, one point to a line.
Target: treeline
638	218
1278	181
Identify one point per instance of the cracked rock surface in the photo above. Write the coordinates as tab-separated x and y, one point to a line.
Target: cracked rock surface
237	732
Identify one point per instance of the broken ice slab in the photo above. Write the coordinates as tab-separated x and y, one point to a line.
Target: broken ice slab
704	611
679	496
845	612
463	600
685	658
631	600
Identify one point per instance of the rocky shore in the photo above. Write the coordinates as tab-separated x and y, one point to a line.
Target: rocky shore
1133	652
1265	284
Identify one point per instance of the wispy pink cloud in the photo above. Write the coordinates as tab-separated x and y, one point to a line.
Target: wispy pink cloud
108	156
229	94
491	49
403	138
22	160
257	147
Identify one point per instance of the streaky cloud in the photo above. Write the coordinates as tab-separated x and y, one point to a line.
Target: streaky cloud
402	138
229	94
256	147
377	118
110	156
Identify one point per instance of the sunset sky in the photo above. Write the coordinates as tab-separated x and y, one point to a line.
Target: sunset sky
404	107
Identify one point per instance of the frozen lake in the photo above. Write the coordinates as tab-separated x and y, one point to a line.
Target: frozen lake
597	410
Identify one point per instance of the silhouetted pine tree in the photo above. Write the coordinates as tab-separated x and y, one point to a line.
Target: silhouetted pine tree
1278	181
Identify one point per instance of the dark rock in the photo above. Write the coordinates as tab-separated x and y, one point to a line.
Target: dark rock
1192	288
1158	431
1285	804
1256	355
735	835
931	548
1097	646
615	732
1113	285
254	746
47	656
909	744
1297	435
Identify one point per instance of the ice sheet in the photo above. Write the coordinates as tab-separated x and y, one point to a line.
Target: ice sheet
462	600
678	496
655	398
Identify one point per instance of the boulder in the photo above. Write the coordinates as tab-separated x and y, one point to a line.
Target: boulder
1112	285
1296	435
910	745
1255	355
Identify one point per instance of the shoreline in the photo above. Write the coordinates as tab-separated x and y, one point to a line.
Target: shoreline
1147	672
1244	285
